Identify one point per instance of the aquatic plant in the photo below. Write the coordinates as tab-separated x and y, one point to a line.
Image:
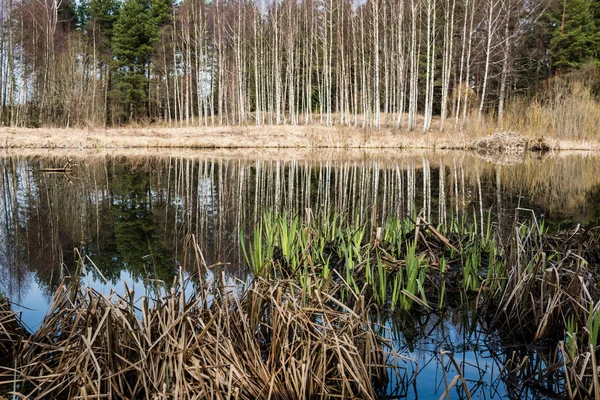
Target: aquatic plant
392	264
304	324
258	342
527	283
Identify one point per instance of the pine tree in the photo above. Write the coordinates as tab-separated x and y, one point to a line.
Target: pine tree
575	37
136	31
104	14
96	20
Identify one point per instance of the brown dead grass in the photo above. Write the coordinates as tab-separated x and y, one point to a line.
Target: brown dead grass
250	137
271	340
307	136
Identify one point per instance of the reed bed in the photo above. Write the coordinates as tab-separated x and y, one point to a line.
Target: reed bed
550	294
410	263
532	286
305	324
11	330
265	341
12	334
403	264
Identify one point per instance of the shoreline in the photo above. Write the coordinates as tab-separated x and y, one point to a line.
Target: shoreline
310	155
251	137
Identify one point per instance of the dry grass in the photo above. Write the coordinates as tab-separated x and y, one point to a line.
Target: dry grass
11	331
245	137
267	341
290	339
533	287
549	280
564	111
305	136
581	371
550	293
566	114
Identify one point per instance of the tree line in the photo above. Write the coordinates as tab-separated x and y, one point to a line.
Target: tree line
363	63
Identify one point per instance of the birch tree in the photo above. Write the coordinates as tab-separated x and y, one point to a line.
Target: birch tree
366	64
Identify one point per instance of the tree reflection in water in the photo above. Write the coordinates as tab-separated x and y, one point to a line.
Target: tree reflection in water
133	213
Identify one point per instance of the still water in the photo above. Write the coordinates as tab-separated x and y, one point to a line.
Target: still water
130	214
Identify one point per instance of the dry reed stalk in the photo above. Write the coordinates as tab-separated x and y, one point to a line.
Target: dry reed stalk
460	376
552	280
549	277
12	333
581	373
11	329
213	344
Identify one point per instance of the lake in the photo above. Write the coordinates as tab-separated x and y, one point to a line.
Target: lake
129	214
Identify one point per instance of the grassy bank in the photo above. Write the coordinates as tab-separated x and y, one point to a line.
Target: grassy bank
302	136
566	113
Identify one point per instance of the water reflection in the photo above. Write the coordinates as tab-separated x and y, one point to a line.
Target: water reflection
134	211
131	215
493	367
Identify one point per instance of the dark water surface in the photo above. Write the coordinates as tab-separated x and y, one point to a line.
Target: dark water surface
130	214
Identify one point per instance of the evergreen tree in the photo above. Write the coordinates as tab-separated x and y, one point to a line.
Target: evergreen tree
575	37
67	16
136	31
532	59
104	14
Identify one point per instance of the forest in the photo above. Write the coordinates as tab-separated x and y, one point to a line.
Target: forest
402	64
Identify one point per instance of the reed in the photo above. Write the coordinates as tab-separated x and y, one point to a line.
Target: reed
12	333
11	330
566	109
304	326
218	343
551	294
548	279
397	265
529	283
414	282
